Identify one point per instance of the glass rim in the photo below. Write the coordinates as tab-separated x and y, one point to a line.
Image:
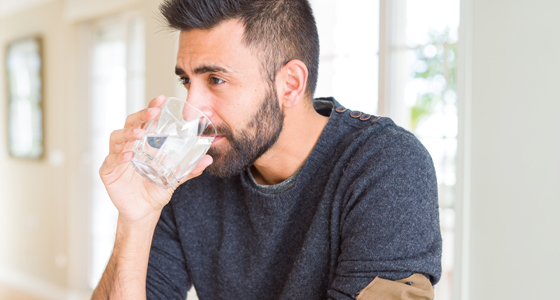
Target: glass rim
167	99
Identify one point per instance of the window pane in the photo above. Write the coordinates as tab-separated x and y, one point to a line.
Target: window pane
117	88
431	97
356	60
107	111
349	64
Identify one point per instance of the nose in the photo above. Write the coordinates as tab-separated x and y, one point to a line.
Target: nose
201	102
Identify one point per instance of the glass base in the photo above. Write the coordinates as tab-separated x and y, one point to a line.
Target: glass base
153	171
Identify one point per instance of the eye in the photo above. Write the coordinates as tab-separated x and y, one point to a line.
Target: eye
184	80
216	80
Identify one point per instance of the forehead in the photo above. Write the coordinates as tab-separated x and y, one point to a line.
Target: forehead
222	46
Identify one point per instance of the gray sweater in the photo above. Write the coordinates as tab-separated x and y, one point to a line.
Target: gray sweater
364	204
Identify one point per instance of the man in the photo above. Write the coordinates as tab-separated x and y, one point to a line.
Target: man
301	198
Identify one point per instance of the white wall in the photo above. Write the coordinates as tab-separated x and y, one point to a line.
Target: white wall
44	203
515	171
33	197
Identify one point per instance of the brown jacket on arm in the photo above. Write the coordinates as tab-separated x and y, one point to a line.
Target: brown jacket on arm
415	287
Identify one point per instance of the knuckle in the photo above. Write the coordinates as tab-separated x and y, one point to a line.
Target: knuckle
103	167
113	135
113	149
129	119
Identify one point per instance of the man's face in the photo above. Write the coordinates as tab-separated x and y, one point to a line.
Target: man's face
224	80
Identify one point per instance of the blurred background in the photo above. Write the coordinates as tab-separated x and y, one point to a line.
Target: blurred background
477	81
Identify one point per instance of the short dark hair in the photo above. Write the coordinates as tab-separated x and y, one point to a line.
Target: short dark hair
279	30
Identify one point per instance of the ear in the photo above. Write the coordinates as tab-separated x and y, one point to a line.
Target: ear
292	83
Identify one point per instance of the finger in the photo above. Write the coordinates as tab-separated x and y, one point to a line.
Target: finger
122	138
112	161
157	101
145	115
203	164
136	120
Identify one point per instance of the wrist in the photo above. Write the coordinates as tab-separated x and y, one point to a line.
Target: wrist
146	222
135	236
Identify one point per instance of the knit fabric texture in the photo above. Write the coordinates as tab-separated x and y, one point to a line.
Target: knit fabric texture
364	204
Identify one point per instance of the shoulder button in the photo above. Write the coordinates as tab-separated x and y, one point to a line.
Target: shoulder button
355	114
375	119
365	117
340	109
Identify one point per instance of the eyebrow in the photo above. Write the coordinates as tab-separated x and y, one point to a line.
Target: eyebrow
202	70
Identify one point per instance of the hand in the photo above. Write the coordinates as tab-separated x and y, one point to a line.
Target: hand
135	197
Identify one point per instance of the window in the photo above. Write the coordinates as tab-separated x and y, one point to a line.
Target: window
349	60
431	95
420	45
405	52
116	89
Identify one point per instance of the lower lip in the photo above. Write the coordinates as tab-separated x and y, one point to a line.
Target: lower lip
217	138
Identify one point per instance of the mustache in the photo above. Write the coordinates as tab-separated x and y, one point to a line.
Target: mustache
223	130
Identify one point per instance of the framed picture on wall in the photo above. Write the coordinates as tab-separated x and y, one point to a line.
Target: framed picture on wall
25	98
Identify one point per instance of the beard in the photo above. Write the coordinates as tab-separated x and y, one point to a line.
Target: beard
248	144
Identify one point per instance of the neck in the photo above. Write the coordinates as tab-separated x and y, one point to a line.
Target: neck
300	132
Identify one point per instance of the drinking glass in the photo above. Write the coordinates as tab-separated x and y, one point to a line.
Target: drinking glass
173	144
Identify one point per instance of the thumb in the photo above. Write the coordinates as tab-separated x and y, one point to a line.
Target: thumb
202	165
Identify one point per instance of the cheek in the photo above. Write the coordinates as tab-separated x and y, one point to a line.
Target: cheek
237	106
236	115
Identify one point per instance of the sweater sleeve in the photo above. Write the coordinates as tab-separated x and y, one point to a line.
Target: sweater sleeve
167	272
389	216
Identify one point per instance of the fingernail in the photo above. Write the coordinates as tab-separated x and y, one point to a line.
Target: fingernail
150	110
136	131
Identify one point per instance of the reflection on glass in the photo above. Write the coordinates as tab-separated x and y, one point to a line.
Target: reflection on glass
24	91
